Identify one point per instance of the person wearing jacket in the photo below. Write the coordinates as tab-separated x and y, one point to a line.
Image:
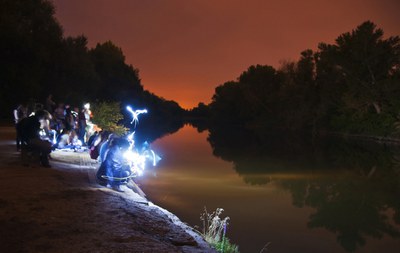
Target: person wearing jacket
115	169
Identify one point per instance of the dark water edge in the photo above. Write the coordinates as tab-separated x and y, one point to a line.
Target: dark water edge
334	187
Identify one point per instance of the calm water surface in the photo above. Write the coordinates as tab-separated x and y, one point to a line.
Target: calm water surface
323	201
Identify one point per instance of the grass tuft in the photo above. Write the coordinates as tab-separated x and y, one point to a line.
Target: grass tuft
214	231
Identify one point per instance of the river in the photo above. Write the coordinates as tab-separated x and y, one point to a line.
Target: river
333	198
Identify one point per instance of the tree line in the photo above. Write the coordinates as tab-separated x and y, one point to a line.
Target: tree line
36	60
350	86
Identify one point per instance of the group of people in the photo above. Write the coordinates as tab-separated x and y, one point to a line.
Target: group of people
38	128
49	127
42	128
69	121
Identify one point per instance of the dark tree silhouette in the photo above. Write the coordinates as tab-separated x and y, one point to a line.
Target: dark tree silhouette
351	86
30	37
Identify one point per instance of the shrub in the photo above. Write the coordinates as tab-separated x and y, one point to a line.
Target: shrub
107	115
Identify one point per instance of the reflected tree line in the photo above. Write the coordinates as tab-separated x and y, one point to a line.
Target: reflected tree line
351	86
276	125
353	186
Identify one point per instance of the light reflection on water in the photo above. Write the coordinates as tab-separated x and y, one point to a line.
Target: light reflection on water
266	206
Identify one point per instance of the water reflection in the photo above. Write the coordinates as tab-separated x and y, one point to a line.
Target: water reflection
353	187
151	129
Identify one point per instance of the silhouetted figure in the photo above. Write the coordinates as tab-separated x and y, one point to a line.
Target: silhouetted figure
20	113
69	118
59	115
92	138
50	104
30	129
82	125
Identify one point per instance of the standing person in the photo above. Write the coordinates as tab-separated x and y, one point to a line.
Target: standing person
20	113
69	118
31	106
75	113
50	104
59	115
29	129
82	125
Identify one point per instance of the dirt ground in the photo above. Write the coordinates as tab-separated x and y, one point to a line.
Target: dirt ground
62	209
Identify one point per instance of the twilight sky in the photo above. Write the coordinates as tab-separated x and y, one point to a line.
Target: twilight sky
185	48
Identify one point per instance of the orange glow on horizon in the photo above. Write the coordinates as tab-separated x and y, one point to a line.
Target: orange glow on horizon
184	49
187	97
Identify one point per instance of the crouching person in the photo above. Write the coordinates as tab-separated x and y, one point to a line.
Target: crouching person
32	131
115	170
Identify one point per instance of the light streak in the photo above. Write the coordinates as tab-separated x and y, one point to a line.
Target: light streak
137	160
131	140
135	114
54	137
132	157
154	157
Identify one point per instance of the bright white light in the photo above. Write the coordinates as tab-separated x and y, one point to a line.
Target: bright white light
135	114
86	106
154	157
133	158
137	162
130	136
42	133
130	156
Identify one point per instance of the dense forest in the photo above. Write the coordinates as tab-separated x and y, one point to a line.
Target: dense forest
36	60
350	86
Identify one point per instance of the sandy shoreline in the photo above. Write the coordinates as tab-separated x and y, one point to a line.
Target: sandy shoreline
62	209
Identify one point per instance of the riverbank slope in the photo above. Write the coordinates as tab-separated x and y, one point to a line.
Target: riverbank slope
62	209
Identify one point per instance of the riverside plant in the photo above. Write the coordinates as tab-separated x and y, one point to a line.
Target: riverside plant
214	231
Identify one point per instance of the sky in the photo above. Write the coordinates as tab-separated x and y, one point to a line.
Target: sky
184	49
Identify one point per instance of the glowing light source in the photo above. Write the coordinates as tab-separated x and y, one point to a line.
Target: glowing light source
42	134
135	114
136	160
